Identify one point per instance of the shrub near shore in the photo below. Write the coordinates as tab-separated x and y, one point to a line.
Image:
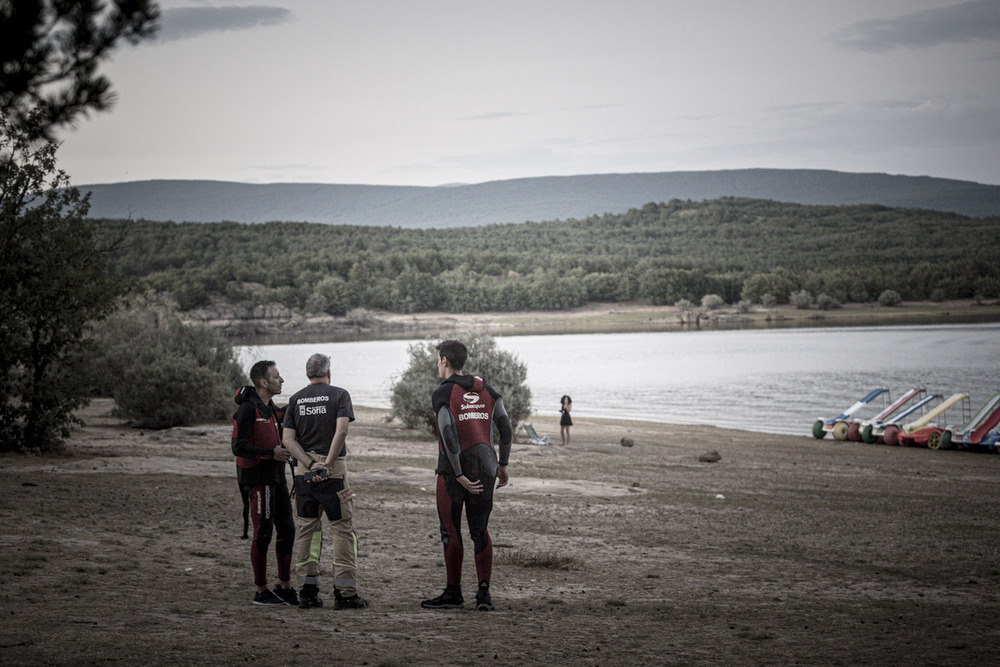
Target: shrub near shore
164	374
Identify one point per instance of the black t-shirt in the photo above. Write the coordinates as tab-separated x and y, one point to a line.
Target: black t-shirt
313	412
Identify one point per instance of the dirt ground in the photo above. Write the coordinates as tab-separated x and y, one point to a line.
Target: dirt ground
787	551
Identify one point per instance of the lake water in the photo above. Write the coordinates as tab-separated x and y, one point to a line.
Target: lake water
772	381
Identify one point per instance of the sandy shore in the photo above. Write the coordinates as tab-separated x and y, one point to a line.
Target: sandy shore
593	318
788	550
606	318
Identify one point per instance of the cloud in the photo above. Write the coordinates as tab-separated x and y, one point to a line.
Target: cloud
513	114
191	22
597	107
291	172
885	125
496	115
978	20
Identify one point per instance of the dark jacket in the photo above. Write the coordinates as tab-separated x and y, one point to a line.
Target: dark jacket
256	434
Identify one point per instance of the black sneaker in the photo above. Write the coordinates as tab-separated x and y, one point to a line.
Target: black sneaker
267	597
483	602
353	602
450	599
309	597
287	596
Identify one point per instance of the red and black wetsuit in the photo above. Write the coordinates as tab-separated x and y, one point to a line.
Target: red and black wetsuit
256	434
466	409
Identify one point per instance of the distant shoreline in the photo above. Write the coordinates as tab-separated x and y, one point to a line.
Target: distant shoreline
601	318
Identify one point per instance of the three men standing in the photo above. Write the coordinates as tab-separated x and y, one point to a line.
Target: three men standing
315	432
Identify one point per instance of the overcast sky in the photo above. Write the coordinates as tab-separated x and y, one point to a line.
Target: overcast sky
431	92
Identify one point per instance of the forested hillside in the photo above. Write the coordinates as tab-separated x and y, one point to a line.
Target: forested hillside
738	249
523	199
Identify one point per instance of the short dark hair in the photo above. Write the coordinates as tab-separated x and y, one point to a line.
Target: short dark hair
455	352
258	372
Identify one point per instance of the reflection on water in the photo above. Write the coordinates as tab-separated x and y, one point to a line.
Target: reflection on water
775	380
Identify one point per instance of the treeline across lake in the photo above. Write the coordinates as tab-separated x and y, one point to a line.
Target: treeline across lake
739	250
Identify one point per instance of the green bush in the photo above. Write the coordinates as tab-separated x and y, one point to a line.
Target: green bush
411	394
827	302
163	375
146	396
988	287
777	285
802	300
890	298
331	295
712	302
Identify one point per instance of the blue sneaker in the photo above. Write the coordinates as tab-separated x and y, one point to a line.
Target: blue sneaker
450	599
267	597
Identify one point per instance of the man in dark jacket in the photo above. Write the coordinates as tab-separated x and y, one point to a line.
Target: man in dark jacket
260	460
466	408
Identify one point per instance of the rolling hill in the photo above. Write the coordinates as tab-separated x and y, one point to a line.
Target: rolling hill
521	200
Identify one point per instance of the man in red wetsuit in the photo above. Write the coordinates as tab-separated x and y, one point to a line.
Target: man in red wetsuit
260	461
466	408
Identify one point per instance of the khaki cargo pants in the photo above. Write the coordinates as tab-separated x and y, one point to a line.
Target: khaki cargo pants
311	502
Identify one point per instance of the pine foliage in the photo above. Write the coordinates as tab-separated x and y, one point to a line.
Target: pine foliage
737	249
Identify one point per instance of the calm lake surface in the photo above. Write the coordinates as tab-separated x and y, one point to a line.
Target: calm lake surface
772	381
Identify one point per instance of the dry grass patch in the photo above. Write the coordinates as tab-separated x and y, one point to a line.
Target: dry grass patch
549	560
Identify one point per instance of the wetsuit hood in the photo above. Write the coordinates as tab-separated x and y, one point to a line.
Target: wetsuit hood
473	382
243	394
249	394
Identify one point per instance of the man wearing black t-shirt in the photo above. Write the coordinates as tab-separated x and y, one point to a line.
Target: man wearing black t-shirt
316	421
